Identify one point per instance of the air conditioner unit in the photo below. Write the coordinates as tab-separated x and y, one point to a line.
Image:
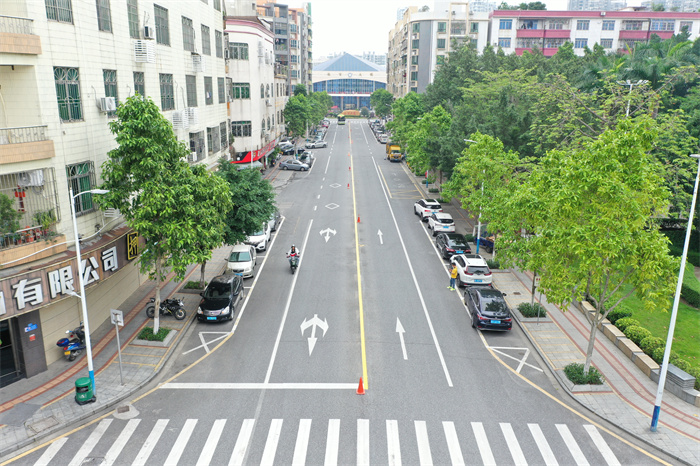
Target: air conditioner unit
180	120
108	104
144	51
149	32
602	13
198	63
192	115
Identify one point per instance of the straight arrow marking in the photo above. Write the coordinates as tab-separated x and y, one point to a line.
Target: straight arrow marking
401	331
381	236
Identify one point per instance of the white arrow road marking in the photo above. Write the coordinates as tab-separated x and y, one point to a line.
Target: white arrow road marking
381	236
313	323
400	331
327	232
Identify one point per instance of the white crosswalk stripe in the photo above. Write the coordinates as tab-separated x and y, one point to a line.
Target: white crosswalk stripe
206	442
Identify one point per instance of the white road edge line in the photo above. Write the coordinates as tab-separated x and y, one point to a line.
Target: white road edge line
415	280
257	386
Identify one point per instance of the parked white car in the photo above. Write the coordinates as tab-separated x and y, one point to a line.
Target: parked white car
242	260
441	222
260	239
472	268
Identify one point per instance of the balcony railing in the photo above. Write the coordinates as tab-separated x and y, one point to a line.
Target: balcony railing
15	25
22	134
26	236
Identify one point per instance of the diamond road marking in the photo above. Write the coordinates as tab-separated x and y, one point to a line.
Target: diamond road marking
335	185
332	206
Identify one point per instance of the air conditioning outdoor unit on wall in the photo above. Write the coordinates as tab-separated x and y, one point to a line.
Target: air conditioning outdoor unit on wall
180	120
149	32
108	104
198	63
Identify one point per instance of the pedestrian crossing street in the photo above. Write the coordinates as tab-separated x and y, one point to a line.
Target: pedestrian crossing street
232	442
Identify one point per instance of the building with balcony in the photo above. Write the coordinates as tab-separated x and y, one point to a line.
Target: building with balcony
421	40
520	31
64	68
349	80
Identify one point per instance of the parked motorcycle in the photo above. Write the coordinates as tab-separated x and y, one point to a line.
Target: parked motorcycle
171	306
293	263
74	344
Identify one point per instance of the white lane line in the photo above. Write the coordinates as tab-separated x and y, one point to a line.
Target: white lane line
424	455
392	442
321	187
181	442
542	444
332	442
362	442
318	196
273	438
120	443
150	443
241	447
286	307
482	441
204	343
415	280
210	445
602	446
315	207
299	458
50	452
512	441
572	445
90	443
453	443
257	386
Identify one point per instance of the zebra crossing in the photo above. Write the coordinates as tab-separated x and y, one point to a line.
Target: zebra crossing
305	441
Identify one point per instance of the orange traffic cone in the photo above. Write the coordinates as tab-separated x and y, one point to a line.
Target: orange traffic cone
358	219
361	388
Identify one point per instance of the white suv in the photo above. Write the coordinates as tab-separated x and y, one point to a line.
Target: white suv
441	222
424	208
472	269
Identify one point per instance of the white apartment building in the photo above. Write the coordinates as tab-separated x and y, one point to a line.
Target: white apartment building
421	41
520	31
64	67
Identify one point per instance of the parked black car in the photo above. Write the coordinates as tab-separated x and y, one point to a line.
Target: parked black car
221	298
452	243
488	308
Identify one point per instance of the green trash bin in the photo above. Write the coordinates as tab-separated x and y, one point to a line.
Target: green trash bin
83	391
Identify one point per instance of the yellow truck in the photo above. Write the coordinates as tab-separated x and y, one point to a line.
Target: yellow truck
393	152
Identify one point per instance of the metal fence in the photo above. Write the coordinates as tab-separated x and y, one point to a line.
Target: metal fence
15	25
22	134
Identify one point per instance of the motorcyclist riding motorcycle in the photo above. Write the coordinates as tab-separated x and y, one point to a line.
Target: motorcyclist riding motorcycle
293	251
293	256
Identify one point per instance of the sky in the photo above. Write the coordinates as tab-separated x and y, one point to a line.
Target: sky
357	26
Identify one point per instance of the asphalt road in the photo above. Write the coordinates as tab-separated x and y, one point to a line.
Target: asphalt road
369	300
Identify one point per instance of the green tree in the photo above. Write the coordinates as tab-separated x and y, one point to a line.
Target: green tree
297	115
253	201
592	210
155	191
406	112
9	217
381	101
320	103
300	89
423	141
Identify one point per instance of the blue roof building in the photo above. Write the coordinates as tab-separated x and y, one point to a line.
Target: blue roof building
349	80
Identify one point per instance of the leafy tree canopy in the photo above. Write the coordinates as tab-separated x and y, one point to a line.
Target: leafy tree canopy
381	101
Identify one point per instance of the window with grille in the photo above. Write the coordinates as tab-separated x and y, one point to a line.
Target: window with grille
632	25
196	146
217	5
473	27
81	177
414	43
415	27
580	43
442	27
608	25
104	16
191	83
606	43
414	60
206	41
238	51
68	93
414	75
504	42
208	91
162	26
59	10
132	10
505	24
240	90
663	25
221	88
241	128
440	44
583	25
139	83
556	24
218	37
110	80
213	139
262	91
294	43
222	133
187	34
167	93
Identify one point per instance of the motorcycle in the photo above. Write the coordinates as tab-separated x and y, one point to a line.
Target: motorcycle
293	263
74	344
171	306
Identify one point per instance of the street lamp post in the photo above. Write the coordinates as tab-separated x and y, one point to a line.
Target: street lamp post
674	312
631	84
478	229
82	296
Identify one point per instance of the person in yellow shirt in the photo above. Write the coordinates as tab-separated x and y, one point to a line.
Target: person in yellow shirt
453	277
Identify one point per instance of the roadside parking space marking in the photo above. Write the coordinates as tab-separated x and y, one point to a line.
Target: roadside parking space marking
205	344
498	349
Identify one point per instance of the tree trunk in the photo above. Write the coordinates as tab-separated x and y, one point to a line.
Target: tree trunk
591	341
156	315
201	276
532	300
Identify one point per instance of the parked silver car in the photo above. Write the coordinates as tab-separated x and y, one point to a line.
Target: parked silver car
291	164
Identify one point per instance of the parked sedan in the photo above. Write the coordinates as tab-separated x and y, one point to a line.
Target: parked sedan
291	164
242	260
275	220
441	222
452	243
319	144
307	158
488	309
260	239
220	298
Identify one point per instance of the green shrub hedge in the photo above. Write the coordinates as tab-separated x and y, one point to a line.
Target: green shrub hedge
649	344
658	354
695	372
469	238
574	372
147	334
636	333
625	322
529	310
493	264
617	314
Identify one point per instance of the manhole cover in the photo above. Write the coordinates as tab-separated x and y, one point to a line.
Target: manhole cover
517	293
122	409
